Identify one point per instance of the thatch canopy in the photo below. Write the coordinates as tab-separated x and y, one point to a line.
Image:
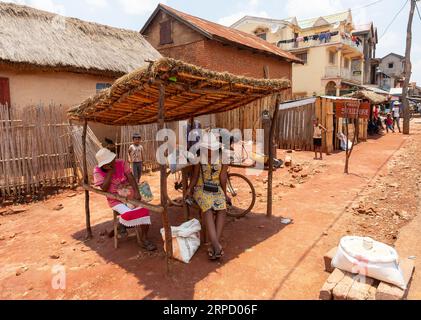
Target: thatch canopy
373	97
31	38
190	91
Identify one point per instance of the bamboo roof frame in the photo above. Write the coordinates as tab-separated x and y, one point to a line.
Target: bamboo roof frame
171	90
190	91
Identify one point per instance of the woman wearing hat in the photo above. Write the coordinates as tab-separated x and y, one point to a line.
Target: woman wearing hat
208	189
114	176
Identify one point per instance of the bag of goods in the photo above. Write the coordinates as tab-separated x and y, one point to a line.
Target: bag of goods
185	240
367	257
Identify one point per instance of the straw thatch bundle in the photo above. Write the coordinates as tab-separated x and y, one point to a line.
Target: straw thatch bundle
373	97
189	91
31	38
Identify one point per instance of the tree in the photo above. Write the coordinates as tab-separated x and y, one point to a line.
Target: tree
407	71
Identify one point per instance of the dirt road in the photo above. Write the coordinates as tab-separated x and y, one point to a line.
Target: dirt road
264	259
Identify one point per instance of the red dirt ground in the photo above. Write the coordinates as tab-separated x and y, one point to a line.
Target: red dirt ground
264	259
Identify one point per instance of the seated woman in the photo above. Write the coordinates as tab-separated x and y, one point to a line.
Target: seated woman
209	189
114	176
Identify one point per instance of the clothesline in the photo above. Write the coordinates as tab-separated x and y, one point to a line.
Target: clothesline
323	37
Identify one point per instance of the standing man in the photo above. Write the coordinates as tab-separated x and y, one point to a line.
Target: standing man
317	138
396	115
136	157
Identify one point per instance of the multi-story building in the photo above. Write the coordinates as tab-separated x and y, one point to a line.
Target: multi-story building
390	73
335	57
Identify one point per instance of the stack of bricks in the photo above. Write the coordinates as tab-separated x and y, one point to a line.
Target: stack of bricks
343	285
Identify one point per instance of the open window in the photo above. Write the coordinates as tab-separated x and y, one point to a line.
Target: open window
4	91
165	32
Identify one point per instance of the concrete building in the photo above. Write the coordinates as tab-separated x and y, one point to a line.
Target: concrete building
335	57
390	73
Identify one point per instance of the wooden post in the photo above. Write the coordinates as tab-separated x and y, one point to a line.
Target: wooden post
86	181
164	193
407	71
271	155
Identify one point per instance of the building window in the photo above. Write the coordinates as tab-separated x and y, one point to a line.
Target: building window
346	63
262	35
4	91
303	56
332	57
390	65
102	86
165	32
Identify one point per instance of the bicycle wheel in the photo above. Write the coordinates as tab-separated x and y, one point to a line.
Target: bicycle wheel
175	189
242	194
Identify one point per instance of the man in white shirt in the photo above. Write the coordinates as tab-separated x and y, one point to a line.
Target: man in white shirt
397	115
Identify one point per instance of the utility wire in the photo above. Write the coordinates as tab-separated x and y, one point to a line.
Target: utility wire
418	10
393	20
367	5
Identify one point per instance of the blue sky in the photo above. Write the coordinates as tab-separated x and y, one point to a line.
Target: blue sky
132	14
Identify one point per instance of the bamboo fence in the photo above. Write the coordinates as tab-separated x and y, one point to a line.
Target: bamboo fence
35	151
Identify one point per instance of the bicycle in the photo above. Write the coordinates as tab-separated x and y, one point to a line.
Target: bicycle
240	190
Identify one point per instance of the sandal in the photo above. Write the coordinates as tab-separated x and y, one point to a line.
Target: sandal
220	254
149	246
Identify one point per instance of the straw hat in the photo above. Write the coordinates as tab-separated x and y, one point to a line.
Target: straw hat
210	142
105	156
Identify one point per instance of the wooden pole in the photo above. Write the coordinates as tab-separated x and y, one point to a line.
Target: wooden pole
164	191
86	181
271	155
407	71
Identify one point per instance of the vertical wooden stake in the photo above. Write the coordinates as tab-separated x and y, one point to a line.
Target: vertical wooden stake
86	181
164	193
271	155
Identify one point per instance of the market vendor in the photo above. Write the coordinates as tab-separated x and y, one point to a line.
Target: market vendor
114	176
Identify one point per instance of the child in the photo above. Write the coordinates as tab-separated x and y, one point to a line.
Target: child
389	123
317	138
136	157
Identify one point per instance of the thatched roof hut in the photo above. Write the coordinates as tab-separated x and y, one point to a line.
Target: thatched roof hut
373	97
190	91
31	38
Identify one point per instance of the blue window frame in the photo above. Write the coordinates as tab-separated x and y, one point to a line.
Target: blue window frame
102	86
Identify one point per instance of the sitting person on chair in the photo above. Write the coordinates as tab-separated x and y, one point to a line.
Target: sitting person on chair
114	176
208	188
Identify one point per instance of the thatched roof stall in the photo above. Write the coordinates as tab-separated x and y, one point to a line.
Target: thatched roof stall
371	96
171	90
190	91
32	38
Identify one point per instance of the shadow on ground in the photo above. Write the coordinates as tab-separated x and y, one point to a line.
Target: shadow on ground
150	268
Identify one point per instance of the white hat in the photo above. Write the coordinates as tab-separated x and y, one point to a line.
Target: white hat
210	142
396	103
105	156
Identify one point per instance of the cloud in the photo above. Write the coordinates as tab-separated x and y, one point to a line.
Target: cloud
251	8
136	7
97	4
47	5
231	19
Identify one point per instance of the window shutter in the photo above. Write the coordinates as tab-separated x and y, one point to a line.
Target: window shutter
4	91
165	32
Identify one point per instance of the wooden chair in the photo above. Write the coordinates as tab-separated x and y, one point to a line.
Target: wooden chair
116	224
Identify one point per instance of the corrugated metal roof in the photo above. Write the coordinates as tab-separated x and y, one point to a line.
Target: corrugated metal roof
331	19
226	34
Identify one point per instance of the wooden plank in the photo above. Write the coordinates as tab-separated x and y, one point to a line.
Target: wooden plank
386	291
86	182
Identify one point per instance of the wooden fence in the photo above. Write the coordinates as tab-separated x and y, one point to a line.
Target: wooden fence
295	127
34	151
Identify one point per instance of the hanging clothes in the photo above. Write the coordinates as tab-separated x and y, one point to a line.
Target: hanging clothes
306	39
